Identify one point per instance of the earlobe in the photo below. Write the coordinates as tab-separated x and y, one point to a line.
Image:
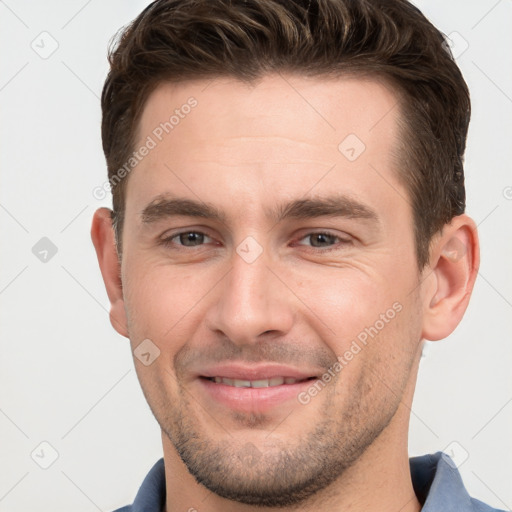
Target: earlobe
454	262
103	238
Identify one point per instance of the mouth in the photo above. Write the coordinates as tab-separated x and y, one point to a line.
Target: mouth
254	389
260	383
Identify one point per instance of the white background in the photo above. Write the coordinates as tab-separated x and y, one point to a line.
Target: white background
67	378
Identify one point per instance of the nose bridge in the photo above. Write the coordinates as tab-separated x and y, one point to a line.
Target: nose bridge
249	286
250	300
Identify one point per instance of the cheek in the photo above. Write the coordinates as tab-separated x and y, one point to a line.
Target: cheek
364	314
377	361
161	299
347	300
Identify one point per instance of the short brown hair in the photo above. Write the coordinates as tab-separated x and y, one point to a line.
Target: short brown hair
174	40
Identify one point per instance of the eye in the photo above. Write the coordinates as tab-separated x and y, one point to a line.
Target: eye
322	240
187	239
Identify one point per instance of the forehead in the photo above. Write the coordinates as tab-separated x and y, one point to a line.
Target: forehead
283	133
323	106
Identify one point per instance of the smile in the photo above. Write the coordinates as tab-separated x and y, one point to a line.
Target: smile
261	383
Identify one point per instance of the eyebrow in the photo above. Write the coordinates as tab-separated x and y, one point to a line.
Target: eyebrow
163	207
331	206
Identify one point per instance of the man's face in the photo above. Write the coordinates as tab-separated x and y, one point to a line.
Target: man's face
288	322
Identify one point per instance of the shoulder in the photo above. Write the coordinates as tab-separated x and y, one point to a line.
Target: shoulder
479	506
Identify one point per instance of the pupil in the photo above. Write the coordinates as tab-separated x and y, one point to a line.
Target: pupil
191	238
321	239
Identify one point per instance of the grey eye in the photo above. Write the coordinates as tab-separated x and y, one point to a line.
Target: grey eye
321	239
191	238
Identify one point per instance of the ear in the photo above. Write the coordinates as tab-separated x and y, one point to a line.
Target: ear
450	276
102	234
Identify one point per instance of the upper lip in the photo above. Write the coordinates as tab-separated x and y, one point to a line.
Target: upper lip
255	372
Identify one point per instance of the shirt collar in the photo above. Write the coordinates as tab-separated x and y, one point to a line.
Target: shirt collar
438	484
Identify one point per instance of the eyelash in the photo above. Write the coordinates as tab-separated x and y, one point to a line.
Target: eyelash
168	242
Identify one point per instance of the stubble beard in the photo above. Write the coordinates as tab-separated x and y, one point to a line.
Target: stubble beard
279	474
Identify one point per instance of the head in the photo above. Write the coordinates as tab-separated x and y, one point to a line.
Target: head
298	212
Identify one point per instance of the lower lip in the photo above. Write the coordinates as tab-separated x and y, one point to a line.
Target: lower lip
255	400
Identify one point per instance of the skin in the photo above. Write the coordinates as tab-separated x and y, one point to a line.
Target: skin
245	149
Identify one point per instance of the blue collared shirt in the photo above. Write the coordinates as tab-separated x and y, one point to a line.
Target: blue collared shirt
435	478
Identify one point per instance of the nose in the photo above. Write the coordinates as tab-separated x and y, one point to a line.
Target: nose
251	303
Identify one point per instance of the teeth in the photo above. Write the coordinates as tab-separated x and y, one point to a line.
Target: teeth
242	383
262	383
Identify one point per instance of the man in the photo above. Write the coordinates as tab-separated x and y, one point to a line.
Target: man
288	227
